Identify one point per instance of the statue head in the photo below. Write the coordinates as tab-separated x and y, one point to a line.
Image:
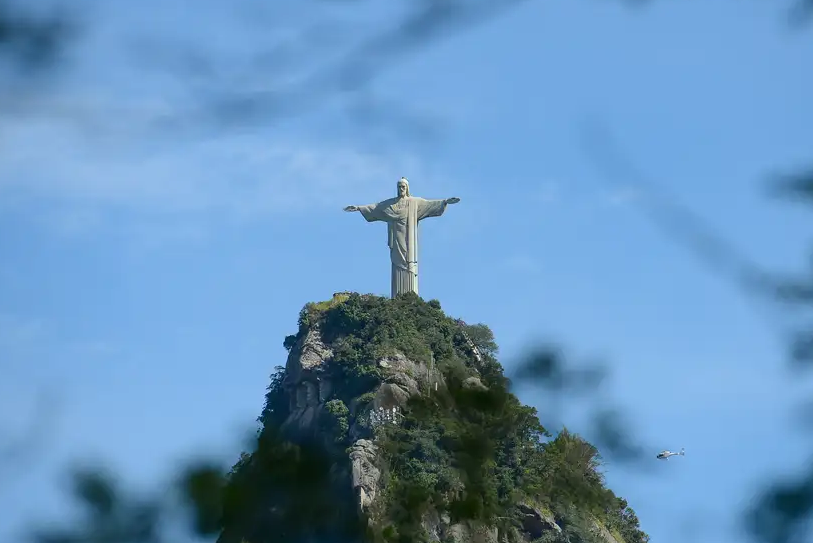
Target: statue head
403	187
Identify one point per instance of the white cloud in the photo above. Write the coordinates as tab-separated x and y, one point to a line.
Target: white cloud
241	177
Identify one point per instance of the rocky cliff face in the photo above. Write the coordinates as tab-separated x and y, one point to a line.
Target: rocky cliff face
309	385
350	389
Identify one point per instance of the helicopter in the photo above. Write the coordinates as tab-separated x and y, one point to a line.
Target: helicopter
664	455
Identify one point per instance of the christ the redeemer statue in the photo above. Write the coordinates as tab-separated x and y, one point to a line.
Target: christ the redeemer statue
402	215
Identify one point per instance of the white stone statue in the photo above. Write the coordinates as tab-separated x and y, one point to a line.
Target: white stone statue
402	215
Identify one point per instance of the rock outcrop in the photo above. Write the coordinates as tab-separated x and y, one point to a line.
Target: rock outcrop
308	385
365	474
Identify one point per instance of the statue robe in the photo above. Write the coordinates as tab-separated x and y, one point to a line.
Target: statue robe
402	216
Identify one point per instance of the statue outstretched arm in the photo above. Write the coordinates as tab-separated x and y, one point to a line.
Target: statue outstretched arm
433	208
370	212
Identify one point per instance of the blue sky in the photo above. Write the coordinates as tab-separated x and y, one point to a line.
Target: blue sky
149	277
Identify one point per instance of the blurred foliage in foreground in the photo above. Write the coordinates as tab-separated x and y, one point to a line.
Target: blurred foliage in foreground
784	514
30	44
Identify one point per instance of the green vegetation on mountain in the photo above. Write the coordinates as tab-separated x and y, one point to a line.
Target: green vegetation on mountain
472	454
